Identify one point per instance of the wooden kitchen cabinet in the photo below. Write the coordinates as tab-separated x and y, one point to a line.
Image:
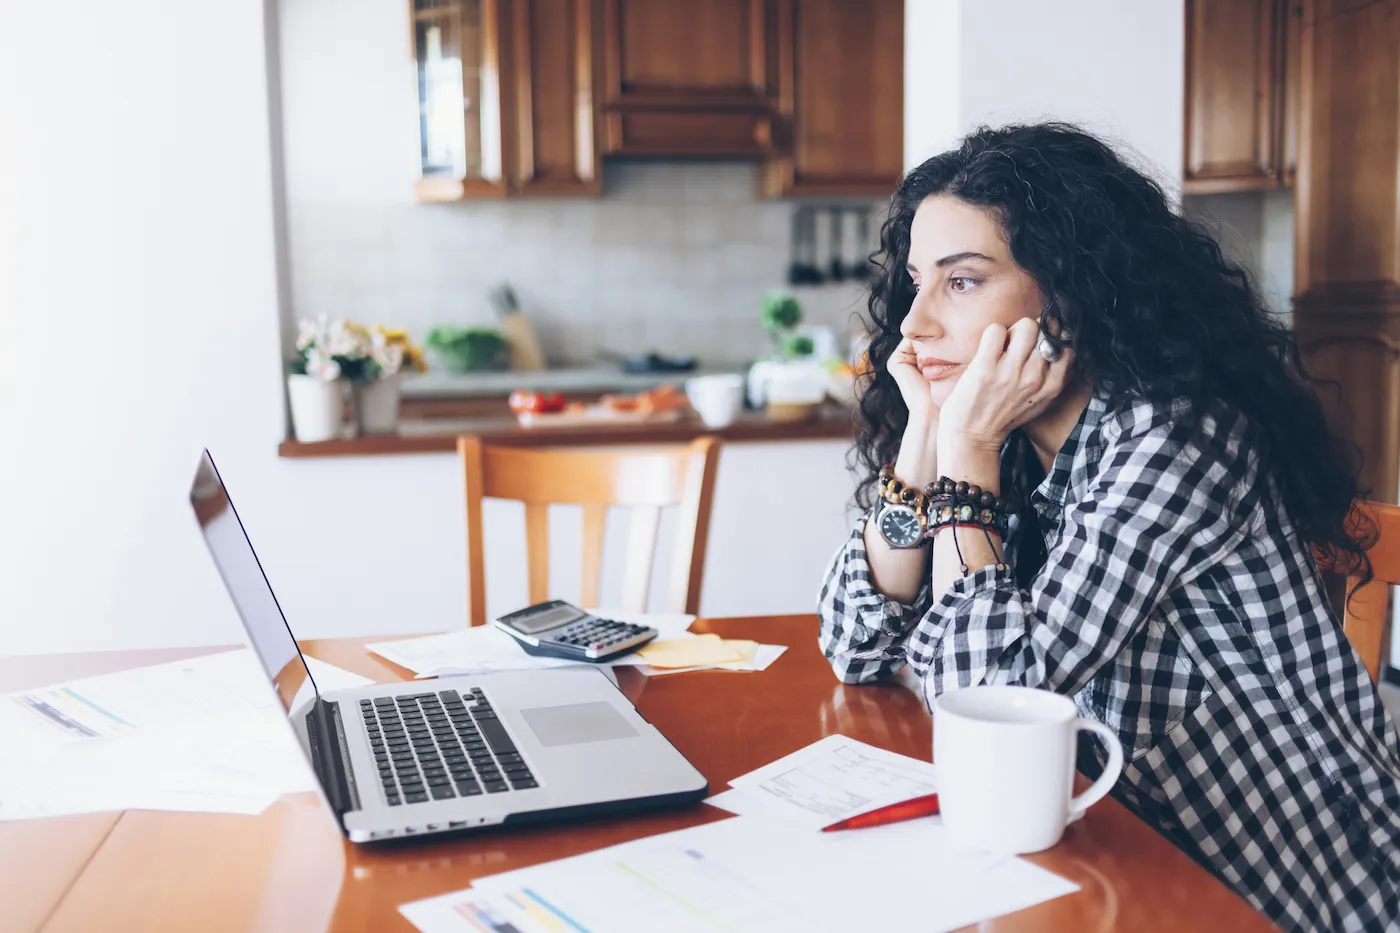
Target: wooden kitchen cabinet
686	78
1242	91
506	97
839	70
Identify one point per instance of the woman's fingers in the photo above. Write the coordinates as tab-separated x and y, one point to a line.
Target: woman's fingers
1020	344
989	350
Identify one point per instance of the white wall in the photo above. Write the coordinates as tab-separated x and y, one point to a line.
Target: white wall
139	293
1116	68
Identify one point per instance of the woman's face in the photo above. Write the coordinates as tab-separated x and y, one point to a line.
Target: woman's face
965	280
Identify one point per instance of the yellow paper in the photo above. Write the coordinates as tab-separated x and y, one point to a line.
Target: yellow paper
696	651
746	651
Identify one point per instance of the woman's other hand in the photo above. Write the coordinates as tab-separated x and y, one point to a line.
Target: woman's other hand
1007	384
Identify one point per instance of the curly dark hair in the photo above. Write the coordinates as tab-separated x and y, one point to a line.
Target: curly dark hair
1145	297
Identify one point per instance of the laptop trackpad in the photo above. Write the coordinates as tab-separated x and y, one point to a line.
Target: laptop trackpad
577	723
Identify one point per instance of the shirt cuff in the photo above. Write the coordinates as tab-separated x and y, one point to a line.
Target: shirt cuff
874	609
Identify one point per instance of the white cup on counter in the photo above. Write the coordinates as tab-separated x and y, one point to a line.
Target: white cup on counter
1005	758
717	399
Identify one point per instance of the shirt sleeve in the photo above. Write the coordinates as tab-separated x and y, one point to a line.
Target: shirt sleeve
1160	511
863	631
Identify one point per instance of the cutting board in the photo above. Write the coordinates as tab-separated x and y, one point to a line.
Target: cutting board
596	415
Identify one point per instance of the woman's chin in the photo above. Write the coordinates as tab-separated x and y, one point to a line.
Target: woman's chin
940	390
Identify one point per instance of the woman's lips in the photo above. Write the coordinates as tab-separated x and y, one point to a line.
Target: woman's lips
935	369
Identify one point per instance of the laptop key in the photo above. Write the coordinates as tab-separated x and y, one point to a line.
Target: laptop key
448	696
415	798
496	787
395	800
509	757
443	792
468	788
438	781
497	736
522	783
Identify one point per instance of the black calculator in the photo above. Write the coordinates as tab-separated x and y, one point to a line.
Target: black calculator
558	629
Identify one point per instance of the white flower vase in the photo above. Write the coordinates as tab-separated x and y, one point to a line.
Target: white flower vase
377	405
318	408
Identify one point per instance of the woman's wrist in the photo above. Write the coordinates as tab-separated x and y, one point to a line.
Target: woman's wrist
916	464
974	464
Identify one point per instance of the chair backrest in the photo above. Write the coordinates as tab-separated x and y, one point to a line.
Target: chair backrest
1366	618
643	480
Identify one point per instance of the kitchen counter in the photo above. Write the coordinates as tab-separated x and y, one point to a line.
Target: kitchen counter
439	435
589	380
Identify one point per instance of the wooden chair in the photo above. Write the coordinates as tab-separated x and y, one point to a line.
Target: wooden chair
642	480
1366	619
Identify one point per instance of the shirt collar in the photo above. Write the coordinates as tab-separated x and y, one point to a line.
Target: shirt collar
1080	450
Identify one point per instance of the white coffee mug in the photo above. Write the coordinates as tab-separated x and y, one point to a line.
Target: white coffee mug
718	399
1005	758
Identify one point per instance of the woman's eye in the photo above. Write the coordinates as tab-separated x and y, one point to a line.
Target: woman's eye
961	283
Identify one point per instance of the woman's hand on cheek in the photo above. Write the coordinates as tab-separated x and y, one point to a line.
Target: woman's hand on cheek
913	387
1007	384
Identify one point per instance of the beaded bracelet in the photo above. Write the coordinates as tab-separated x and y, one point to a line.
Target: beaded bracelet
962	505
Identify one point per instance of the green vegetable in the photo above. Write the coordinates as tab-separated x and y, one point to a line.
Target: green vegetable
464	349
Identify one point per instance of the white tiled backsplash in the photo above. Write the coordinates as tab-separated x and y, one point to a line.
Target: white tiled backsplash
675	258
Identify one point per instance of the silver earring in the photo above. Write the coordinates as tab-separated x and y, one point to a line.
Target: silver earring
1050	352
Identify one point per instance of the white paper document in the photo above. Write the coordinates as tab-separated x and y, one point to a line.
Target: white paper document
739	875
829	780
485	648
202	735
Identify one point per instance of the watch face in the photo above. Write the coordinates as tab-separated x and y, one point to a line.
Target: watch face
900	526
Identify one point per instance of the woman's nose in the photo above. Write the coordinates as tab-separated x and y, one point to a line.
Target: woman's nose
921	321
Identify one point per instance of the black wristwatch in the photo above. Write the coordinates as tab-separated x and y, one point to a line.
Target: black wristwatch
902	526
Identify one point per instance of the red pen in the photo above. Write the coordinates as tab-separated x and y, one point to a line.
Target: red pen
904	810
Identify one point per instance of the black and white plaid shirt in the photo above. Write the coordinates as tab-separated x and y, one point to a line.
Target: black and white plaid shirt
1179	609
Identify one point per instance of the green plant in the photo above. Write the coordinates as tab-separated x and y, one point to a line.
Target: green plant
780	311
466	349
798	346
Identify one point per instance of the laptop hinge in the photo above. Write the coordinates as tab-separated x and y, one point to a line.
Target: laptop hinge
330	756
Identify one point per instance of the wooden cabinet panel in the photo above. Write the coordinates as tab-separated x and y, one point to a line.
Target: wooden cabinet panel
457	48
1347	223
1292	19
668	53
1232	95
552	72
840	73
506	93
685	78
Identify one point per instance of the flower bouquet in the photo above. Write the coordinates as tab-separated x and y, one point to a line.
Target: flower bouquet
331	353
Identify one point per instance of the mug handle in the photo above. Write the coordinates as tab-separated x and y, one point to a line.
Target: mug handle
1097	790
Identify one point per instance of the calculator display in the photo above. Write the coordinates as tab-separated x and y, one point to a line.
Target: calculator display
546	619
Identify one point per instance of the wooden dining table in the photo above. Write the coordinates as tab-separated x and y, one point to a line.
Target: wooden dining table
290	869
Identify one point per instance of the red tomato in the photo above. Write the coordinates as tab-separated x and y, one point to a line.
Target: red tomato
536	402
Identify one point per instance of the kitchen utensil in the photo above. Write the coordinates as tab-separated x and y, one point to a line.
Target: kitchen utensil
655	363
525	351
865	269
804	269
836	240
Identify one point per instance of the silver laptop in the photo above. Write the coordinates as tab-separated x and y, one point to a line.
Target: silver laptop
452	754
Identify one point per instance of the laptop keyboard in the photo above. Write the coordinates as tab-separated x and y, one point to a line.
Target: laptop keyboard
436	746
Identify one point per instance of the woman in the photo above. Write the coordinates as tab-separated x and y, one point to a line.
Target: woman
1110	471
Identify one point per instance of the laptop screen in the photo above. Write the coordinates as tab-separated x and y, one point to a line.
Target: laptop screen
243	575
